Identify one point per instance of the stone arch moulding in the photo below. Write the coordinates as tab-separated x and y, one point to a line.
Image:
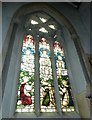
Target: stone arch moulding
59	17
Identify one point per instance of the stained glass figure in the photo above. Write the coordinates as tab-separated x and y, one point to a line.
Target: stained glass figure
67	103
25	97
47	96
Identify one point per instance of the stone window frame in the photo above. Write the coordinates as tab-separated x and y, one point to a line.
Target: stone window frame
16	33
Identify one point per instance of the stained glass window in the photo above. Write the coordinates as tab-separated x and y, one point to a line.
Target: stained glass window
45	27
66	98
47	96
25	98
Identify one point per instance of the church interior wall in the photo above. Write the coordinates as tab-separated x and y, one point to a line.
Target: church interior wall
79	19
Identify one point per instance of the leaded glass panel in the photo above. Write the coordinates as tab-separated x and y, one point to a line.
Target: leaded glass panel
47	95
66	98
25	97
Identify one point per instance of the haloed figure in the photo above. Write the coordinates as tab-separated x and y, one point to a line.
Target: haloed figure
48	97
66	94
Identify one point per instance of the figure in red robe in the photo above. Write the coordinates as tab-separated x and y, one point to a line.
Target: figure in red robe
26	100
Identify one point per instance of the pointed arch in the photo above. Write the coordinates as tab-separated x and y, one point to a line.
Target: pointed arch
22	12
18	20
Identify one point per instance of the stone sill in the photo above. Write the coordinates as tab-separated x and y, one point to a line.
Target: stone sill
46	115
